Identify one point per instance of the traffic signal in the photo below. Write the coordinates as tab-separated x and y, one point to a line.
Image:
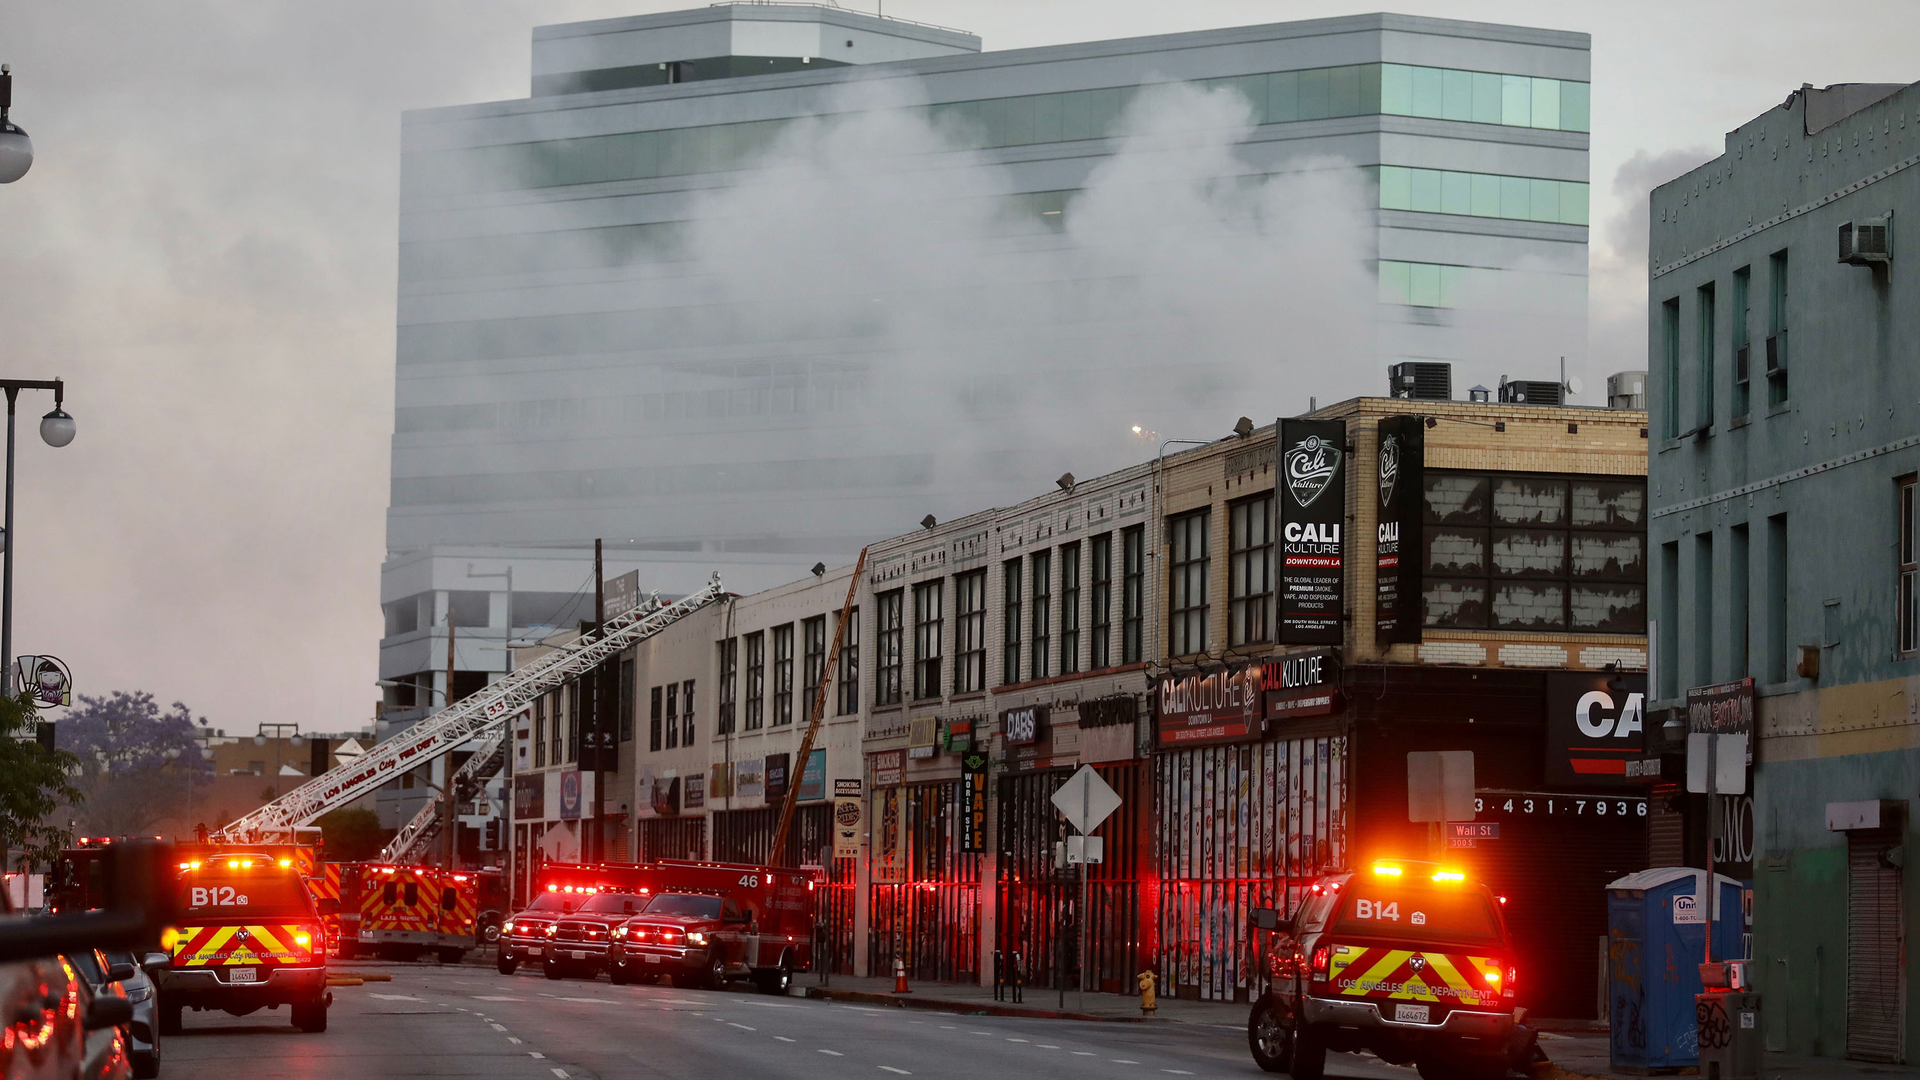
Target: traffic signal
492	841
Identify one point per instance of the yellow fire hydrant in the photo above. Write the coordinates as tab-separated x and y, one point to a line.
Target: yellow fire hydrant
1147	1006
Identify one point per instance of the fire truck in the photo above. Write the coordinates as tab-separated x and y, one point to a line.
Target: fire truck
705	923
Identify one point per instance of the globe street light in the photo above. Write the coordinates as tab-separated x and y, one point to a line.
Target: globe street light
56	430
16	150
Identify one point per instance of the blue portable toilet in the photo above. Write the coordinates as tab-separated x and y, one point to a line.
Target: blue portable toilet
1656	941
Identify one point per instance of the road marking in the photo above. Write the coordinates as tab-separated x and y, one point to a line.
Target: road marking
948	1027
535	1054
496	1027
1177	1072
742	1027
465	1010
891	1069
1019	1040
1046	1046
1124	1061
561	1073
979	1032
514	1041
591	1001
1083	1053
396	997
441	1003
783	1038
478	997
835	1053
773	1005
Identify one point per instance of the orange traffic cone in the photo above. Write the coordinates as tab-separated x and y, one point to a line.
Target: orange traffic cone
900	977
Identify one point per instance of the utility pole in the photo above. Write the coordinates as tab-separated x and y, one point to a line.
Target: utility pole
450	821
594	712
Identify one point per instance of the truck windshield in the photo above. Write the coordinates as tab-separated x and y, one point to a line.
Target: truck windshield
273	894
562	903
700	907
1415	911
614	903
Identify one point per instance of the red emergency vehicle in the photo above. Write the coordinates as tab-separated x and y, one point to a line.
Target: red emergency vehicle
705	923
560	890
406	911
250	938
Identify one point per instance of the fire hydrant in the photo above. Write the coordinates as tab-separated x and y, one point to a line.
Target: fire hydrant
1147	1006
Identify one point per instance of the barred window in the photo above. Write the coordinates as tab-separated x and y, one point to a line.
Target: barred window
1010	631
1187	581
886	683
1069	608
1512	551
1040	566
756	680
540	733
928	628
970	632
729	672
1250	571
782	675
848	669
1133	594
673	715
686	713
813	637
1102	555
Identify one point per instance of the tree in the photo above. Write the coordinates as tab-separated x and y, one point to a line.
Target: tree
352	835
34	782
136	762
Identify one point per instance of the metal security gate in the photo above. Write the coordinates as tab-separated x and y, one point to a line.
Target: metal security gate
1239	827
1038	916
746	836
924	901
1876	990
673	838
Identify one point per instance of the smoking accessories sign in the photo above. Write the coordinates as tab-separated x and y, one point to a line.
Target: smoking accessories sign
1398	550
1313	506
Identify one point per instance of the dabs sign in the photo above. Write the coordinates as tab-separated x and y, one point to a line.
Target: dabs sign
1596	729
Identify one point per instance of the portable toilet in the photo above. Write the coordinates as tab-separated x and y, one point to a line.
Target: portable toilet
1656	942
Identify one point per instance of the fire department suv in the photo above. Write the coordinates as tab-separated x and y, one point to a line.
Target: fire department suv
562	888
706	923
250	937
1407	960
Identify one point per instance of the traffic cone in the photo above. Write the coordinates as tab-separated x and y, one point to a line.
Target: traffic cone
900	977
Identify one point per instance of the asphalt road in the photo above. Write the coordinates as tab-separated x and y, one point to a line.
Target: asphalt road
471	1022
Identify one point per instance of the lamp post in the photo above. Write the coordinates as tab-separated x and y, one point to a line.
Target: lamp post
16	150
56	430
282	734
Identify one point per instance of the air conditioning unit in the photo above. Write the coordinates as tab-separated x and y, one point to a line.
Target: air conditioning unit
1865	242
1421	380
1530	392
1627	390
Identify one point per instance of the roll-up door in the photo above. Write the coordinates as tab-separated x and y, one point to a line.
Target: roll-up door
1876	990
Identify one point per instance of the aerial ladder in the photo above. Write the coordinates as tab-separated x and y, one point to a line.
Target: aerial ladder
481	716
416	838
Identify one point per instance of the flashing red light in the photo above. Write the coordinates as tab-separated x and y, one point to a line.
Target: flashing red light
1322	959
459	877
553	888
1502	899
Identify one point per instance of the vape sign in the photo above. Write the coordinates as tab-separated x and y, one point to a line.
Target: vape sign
1313	507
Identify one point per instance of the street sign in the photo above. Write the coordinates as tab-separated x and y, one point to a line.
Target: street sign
1717	764
1085	800
1440	785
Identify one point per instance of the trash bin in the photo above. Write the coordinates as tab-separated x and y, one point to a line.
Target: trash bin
1729	1024
1656	939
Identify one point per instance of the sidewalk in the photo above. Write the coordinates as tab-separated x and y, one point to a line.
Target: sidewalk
1044	1004
1585	1055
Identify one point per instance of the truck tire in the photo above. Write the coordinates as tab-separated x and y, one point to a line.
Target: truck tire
551	969
170	1018
617	974
715	976
1308	1060
506	963
1267	1037
310	1016
775	980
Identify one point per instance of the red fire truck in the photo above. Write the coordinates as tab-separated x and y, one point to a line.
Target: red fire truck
705	923
406	911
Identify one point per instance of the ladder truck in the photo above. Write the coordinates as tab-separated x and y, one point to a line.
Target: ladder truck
482	716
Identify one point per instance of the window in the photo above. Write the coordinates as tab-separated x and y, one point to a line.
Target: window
848	670
554	724
1670	368
1703	363
1521	198
1132	592
1908	617
1010	636
540	732
1703	665
783	675
1742	347
686	713
970	632
1069	608
1102	553
1512	551
656	717
1737	606
1250	571
673	715
626	700
756	680
729	673
1187	583
1040	571
928	628
1419	284
813	638
1777	329
1777	648
886	679
573	722
1668	631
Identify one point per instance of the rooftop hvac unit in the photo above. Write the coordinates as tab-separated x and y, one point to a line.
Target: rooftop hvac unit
1627	390
1421	380
1530	392
1863	243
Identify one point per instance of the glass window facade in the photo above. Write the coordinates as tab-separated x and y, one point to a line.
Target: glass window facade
886	680
783	675
1487	195
1424	284
928	636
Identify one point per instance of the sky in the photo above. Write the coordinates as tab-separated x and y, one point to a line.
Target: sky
205	250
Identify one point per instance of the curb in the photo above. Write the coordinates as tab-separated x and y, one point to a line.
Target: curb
972	1008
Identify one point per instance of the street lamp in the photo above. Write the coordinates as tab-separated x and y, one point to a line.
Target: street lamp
16	150
56	430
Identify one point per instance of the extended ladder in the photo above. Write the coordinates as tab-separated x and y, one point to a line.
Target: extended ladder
482	715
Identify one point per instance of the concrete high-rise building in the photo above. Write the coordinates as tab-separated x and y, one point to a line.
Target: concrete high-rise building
645	303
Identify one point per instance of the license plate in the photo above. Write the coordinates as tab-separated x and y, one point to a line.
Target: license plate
534	950
578	955
1411	1014
652	959
243	975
